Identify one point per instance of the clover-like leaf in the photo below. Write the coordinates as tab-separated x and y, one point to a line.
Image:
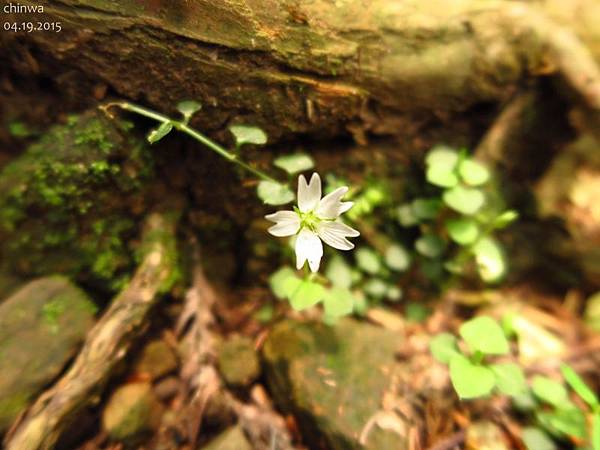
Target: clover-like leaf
368	260
491	263
442	156
273	193
443	347
282	282
463	231
464	200
550	391
510	379
406	215
397	257
579	386
470	380
339	272
426	208
296	163
188	108
307	294
159	132
338	302
505	219
430	245
537	439
473	173
484	334
248	134
376	288
565	421
441	176
393	293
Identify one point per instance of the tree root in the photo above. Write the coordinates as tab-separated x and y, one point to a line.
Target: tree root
106	344
205	393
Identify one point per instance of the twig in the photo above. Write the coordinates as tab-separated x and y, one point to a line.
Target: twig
106	344
451	441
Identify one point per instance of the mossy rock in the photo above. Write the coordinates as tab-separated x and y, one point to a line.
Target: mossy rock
131	412
231	439
238	361
69	204
41	327
333	380
156	360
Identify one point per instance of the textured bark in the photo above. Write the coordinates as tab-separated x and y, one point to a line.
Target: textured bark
320	66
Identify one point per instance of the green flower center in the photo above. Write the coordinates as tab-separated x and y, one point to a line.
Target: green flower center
308	220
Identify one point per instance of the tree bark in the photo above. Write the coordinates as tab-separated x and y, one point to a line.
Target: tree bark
319	67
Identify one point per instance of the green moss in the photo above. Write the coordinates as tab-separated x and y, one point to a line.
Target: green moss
63	202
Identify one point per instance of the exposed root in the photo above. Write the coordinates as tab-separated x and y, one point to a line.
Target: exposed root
106	344
205	391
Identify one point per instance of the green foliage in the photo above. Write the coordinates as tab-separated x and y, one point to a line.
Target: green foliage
397	258
247	134
295	163
274	193
188	108
471	375
159	132
368	260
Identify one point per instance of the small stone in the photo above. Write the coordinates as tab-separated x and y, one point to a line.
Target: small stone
231	439
41	326
485	436
131	411
167	388
157	359
238	361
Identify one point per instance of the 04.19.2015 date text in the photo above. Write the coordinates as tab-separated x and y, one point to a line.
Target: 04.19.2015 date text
31	27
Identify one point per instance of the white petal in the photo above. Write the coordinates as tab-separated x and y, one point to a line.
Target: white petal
309	194
345	206
330	205
308	247
335	233
287	223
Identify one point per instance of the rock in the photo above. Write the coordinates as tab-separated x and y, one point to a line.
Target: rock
131	411
485	436
71	201
231	439
238	361
333	380
157	359
167	388
41	327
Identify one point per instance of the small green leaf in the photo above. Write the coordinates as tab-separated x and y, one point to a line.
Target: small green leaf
273	193
443	347
339	272
430	245
505	219
536	439
307	294
393	293
470	380
489	256
416	312
442	156
463	231
296	163
510	379
473	173
441	176
464	200
549	391
338	302
426	208
484	334
568	421
159	132
397	258
279	282
248	134
579	386
406	215
368	260
376	288
596	431
188	108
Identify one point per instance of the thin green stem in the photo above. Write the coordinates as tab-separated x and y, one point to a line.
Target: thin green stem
477	357
185	128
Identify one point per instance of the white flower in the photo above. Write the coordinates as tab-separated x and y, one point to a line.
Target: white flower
314	219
